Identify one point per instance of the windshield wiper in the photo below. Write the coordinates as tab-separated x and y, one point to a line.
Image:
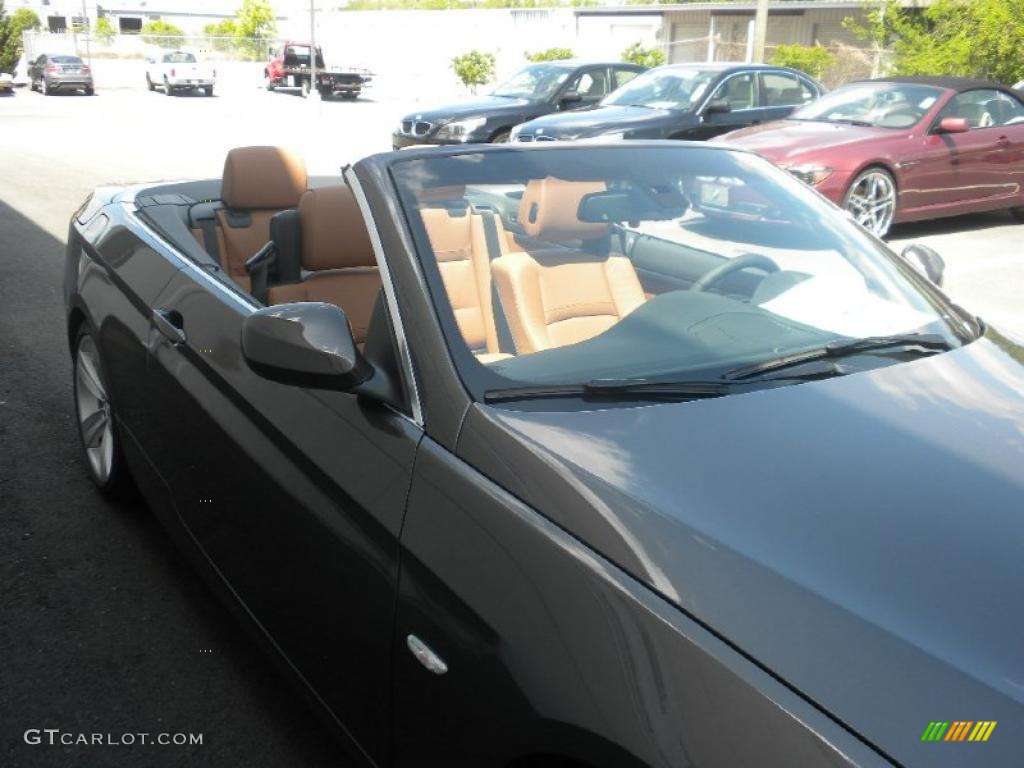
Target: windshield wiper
616	389
923	342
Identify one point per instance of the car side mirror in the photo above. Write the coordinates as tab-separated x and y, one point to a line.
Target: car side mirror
926	261
718	107
306	344
954	125
570	99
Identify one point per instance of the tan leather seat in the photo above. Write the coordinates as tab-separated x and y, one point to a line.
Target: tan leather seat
258	182
458	241
338	256
562	295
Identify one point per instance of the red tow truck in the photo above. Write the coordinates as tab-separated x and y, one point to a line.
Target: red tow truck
289	67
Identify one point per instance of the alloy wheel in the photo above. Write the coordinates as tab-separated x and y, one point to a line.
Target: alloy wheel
95	422
871	200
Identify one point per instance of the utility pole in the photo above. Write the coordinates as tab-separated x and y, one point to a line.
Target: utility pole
760	30
87	28
313	92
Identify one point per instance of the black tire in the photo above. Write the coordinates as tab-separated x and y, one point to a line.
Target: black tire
1017	213
149	83
305	89
208	90
105	465
90	91
878	223
168	91
44	88
267	82
501	137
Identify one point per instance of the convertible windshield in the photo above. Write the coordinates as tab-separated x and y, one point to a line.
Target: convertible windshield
664	89
588	265
881	105
535	82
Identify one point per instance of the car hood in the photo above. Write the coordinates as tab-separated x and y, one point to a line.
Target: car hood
860	537
788	141
594	121
490	106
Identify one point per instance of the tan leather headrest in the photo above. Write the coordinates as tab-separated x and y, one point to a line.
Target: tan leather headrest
263	177
549	207
334	235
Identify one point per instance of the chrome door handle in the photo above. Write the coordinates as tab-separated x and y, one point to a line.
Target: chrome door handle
171	325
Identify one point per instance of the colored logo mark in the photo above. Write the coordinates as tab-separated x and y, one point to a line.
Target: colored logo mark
958	730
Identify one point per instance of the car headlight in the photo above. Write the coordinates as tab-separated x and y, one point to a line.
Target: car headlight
460	129
810	174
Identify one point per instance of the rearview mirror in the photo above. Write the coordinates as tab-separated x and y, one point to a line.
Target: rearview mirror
307	344
954	125
717	107
656	204
571	97
926	261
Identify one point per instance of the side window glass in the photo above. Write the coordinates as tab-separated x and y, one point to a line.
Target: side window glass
623	76
738	90
592	84
783	90
981	108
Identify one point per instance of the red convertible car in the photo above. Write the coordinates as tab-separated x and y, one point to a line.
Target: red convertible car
904	149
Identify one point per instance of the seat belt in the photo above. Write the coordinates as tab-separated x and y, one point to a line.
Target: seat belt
506	343
210	239
258	267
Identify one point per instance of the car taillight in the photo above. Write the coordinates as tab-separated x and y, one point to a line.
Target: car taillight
86	69
53	68
172	72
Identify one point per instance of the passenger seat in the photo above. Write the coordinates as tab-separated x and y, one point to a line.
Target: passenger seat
563	294
337	258
258	183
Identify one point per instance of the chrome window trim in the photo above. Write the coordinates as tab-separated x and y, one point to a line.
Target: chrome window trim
405	358
757	84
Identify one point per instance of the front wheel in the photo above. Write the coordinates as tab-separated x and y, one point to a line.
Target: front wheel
208	90
96	426
871	200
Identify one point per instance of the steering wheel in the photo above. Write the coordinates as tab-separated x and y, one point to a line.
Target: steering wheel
746	261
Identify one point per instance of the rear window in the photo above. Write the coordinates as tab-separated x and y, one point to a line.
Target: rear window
65	60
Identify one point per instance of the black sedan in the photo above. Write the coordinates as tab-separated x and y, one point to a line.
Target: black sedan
683	101
575	455
535	90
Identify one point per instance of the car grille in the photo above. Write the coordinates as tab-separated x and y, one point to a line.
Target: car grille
416	128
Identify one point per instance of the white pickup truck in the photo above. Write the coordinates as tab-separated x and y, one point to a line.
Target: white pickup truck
179	71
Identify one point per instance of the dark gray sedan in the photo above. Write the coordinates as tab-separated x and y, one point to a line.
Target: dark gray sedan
632	455
52	72
682	101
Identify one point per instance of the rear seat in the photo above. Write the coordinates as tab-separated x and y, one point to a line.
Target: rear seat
337	258
258	183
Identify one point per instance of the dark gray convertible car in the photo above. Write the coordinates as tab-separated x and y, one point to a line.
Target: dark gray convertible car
579	455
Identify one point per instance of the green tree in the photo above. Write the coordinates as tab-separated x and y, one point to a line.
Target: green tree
163	34
551	54
255	27
812	59
11	28
645	57
474	68
104	30
224	34
972	38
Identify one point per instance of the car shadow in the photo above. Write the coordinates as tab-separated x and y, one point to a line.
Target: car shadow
103	619
970	222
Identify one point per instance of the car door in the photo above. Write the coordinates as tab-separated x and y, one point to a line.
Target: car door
294	495
592	84
739	91
781	93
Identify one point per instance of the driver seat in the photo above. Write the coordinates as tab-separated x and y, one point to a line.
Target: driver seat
563	295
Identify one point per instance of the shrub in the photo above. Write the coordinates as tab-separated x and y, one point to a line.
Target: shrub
474	68
162	34
104	31
811	59
645	57
10	35
551	54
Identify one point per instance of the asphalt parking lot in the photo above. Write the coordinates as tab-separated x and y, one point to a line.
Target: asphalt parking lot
104	628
